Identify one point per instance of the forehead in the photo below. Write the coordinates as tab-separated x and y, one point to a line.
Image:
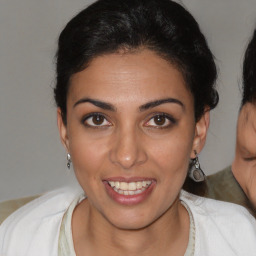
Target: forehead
248	114
140	76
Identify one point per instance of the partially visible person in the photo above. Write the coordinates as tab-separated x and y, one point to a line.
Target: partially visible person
237	183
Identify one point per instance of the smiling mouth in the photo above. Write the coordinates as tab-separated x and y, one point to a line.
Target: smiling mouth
130	188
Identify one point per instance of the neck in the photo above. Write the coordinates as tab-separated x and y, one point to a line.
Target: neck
168	235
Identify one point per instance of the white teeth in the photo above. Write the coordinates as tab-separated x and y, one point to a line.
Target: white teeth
139	185
137	192
117	184
140	191
124	185
130	188
112	183
131	192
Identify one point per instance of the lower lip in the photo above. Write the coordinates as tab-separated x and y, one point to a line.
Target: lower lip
129	199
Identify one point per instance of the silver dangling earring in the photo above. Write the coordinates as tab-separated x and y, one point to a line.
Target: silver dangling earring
68	160
195	171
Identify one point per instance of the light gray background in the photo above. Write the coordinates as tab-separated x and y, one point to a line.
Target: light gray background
32	159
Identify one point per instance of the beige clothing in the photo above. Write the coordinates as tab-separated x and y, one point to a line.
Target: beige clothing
66	246
224	187
192	233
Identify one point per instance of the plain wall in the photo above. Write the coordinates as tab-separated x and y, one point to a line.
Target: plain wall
32	159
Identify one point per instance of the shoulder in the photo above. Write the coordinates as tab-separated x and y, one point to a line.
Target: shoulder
37	221
221	176
227	226
223	186
10	206
216	210
212	207
42	206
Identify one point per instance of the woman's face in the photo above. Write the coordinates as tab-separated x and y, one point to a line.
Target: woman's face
244	164
131	133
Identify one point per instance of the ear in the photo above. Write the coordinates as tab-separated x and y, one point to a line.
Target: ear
62	130
201	129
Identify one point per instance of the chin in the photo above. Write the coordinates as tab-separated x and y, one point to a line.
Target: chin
131	221
132	225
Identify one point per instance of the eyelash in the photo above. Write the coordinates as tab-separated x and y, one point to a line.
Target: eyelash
172	121
85	119
249	159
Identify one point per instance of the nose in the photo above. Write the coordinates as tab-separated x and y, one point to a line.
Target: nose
127	149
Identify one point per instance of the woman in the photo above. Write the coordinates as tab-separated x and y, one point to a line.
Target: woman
135	83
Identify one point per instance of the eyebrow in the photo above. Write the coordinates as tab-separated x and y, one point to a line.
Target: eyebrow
97	103
144	107
156	103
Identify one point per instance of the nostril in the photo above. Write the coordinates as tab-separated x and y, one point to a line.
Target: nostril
128	160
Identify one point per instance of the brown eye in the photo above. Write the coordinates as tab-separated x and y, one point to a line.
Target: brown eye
96	120
159	120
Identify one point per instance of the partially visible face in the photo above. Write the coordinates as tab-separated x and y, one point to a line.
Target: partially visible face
131	133
244	165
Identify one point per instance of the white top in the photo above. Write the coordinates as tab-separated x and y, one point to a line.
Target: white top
66	245
220	228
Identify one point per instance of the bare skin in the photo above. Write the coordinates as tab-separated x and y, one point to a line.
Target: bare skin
244	164
130	118
143	241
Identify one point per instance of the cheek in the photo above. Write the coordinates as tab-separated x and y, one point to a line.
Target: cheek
88	157
172	154
251	185
170	161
